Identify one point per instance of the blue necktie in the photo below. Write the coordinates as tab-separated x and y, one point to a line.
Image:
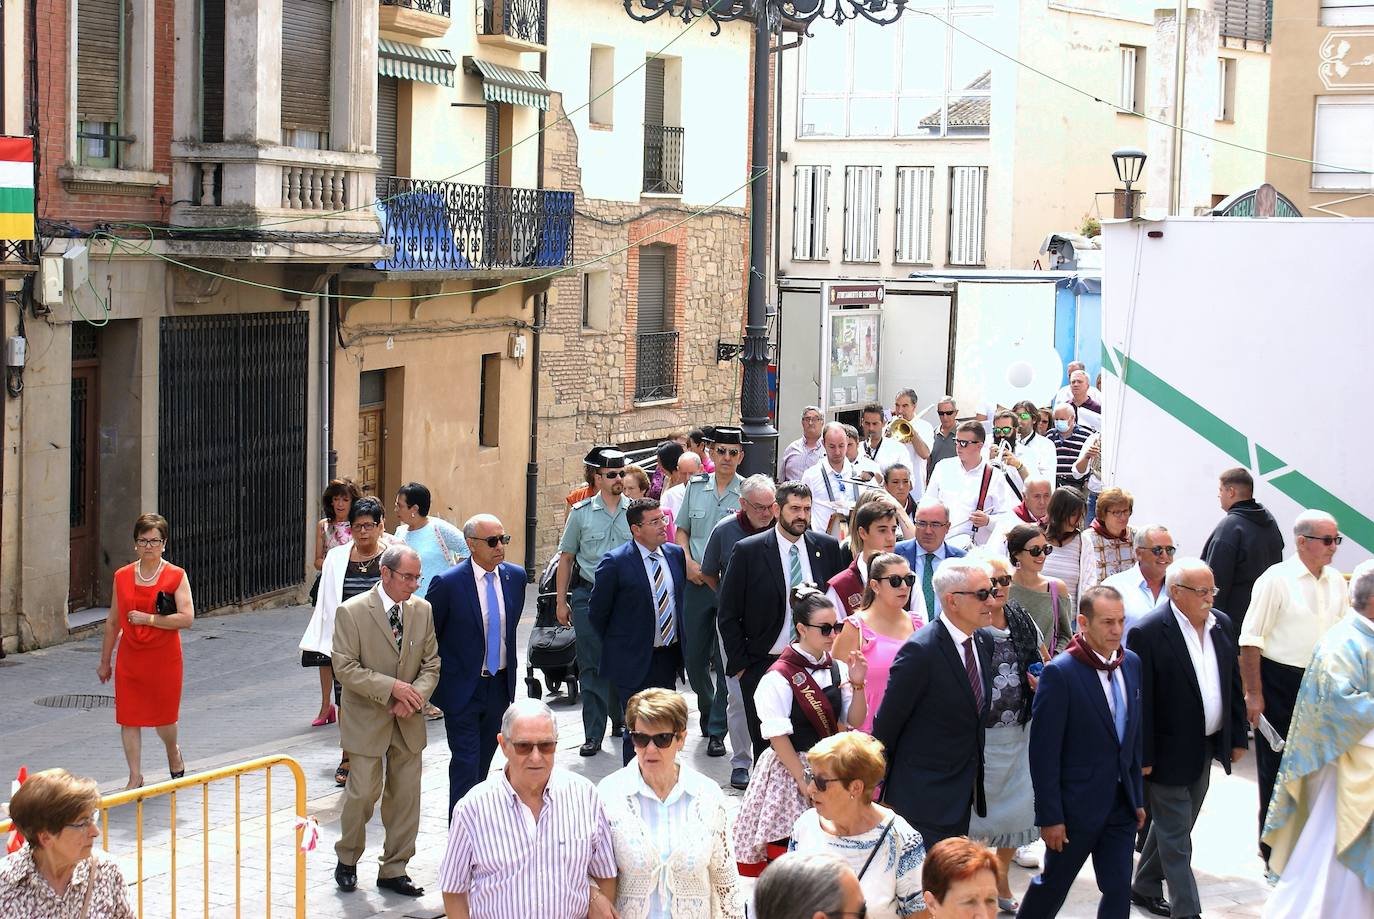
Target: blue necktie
493	663
1119	707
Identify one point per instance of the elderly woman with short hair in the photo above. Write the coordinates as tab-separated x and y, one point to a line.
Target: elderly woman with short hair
58	873
668	822
1109	542
884	850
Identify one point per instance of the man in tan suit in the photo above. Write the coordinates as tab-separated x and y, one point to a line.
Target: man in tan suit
387	659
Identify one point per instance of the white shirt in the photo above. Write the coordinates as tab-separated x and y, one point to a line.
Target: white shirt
672	499
1065	394
479	576
785	545
1204	657
1135	596
958	488
1094	481
959	639
888	451
644	554
914	461
822	507
387	602
1038	453
773	697
918	591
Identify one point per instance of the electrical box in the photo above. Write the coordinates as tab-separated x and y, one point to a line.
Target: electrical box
16	351
76	262
517	346
50	277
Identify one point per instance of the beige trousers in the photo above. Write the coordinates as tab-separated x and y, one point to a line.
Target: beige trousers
398	786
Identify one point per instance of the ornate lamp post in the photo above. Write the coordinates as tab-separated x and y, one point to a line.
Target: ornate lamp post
769	17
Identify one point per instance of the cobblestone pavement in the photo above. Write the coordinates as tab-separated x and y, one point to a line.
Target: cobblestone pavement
246	695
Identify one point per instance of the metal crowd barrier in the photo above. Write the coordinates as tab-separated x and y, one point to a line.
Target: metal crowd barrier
169	790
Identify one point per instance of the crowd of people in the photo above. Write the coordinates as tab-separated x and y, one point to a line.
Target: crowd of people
928	650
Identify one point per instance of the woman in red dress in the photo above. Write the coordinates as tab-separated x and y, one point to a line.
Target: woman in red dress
148	678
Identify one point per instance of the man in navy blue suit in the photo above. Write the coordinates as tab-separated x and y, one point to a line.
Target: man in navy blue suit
477	605
636	608
924	554
1085	758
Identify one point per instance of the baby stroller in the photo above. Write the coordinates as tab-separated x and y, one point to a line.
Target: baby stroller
552	647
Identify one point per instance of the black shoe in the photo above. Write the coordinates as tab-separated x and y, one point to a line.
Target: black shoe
400	884
346	876
1157	905
739	778
590	748
715	746
617	729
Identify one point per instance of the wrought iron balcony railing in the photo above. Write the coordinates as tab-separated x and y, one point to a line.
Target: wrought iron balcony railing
436	7
446	226
662	159
526	20
655	366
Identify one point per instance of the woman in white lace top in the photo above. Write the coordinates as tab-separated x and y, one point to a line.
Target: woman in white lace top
668	823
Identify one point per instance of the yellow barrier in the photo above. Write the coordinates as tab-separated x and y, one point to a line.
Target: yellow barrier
169	789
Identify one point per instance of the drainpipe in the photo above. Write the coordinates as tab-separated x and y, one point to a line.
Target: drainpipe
329	332
1180	62
540	308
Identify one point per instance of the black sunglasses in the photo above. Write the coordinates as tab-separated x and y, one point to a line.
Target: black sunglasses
1157	551
1327	540
820	783
826	629
1002	580
982	595
950	412
613	473
492	541
1038	551
966	443
897	580
526	747
662	741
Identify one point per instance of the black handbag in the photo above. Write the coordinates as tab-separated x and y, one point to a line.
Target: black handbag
165	604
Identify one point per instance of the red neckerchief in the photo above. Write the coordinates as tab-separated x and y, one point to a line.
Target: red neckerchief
1081	651
1100	530
1027	516
749	528
797	670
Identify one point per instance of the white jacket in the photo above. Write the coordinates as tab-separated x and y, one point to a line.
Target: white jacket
319	634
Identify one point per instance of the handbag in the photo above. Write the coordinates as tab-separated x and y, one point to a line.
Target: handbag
165	604
876	846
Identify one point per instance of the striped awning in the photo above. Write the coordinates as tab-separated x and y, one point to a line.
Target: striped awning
506	84
413	62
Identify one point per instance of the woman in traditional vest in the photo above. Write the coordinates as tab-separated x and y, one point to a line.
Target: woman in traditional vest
873	531
804	697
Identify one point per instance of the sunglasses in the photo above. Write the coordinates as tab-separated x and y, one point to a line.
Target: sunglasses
1025	416
966	443
898	580
526	747
1005	432
1038	551
1002	580
662	741
613	473
946	414
729	451
982	595
820	782
492	541
826	629
1327	540
1158	551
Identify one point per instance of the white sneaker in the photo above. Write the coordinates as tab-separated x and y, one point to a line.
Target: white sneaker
1028	856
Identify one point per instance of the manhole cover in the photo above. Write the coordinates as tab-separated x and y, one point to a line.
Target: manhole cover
76	700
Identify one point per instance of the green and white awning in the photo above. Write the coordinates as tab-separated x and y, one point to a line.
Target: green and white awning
413	62
506	84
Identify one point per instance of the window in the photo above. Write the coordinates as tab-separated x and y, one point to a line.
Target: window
489	404
1347	13
388	109
968	186
212	71
596	300
915	194
601	108
655	339
1344	143
810	209
861	213
1226	89
914	78
1132	79
101	74
307	29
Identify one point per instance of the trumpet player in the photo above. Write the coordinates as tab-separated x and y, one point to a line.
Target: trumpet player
914	433
880	449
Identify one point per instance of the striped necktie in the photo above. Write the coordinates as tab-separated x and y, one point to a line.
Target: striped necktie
794	568
662	603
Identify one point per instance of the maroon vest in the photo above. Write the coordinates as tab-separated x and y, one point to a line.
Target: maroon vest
849	587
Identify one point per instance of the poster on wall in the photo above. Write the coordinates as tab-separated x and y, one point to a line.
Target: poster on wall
850	359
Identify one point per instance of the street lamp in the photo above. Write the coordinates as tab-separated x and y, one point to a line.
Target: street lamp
1129	163
769	17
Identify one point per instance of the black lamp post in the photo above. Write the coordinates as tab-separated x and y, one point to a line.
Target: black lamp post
1129	163
769	17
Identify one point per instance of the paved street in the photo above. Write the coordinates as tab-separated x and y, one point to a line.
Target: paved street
246	695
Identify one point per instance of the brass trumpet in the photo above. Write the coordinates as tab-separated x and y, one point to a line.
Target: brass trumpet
900	430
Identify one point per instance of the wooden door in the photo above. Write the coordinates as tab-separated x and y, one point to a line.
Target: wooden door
370	450
83	503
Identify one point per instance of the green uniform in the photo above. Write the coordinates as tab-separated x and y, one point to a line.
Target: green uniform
592	531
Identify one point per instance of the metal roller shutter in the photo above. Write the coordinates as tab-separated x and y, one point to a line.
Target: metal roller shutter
98	56
212	71
653	91
653	264
386	125
307	27
493	144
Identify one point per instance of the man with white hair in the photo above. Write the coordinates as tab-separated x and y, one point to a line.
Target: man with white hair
531	840
1194	713
1293	605
1066	394
1319	820
688	465
1142	586
806	885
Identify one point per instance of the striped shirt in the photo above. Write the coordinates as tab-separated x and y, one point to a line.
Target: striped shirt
1066	450
514	866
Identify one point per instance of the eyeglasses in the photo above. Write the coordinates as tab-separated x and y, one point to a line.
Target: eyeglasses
982	595
364	526
1002	580
946	414
613	473
730	452
1037	551
755	506
966	443
147	543
662	741
492	541
1158	551
826	629
930	525
1326	540
526	747
1201	591
1119	512
898	580
84	825
821	782
408	578
1005	432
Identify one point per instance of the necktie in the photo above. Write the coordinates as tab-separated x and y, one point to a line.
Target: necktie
662	605
794	568
493	663
394	615
1118	707
928	586
971	668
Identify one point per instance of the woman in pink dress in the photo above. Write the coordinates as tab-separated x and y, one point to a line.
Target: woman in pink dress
880	625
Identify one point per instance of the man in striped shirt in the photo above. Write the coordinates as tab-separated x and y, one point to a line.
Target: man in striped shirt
1068	437
531	841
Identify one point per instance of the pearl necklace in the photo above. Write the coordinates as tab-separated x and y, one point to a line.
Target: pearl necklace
150	579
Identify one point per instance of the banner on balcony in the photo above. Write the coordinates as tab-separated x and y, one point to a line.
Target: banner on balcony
16	188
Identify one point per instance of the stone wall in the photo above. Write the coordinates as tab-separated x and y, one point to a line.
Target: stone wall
586	376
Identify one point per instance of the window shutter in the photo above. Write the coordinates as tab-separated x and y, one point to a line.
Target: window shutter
652	289
99	25
653	91
386	124
212	71
915	191
802	213
493	144
820	216
307	29
861	213
968	214
1128	86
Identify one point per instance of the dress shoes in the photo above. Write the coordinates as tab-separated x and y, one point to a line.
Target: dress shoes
617	729
400	884
739	778
715	746
590	748
1157	905
346	876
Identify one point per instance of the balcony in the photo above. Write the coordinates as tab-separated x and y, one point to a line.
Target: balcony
655	366
662	159
519	25
421	18
446	228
